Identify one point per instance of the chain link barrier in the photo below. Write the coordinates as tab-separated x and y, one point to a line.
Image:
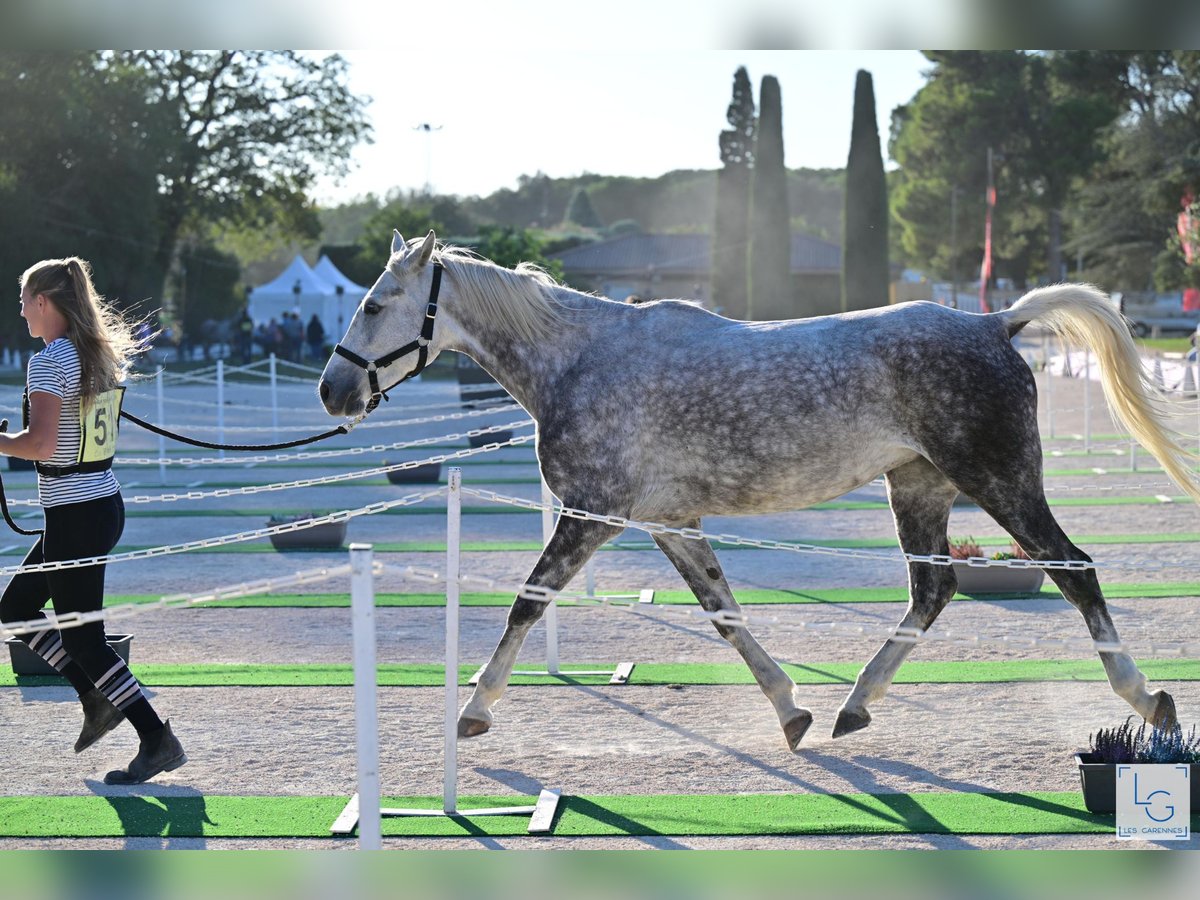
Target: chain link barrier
937	559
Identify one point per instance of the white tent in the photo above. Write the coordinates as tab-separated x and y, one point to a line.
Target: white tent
297	287
351	296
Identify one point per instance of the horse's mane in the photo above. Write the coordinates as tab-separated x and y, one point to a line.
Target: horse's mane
522	301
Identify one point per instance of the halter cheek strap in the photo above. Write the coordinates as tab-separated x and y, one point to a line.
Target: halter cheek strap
420	345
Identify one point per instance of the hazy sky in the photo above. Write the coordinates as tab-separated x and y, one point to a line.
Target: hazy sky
639	112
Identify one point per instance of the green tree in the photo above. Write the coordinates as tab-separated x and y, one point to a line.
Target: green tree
1041	114
207	289
1124	218
581	212
731	230
771	295
250	133
79	152
509	246
865	247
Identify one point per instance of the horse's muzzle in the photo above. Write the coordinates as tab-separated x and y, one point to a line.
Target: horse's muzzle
338	403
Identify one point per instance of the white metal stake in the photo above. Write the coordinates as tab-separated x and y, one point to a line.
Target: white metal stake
274	401
541	813
551	614
362	603
453	543
220	406
162	443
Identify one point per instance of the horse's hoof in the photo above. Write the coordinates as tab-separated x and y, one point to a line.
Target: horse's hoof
1164	713
795	729
472	727
849	722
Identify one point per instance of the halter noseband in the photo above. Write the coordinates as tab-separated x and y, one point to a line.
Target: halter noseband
421	345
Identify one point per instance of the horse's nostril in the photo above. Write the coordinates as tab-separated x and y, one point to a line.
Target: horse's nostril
324	390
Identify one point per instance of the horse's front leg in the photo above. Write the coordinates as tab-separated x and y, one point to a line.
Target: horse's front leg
572	544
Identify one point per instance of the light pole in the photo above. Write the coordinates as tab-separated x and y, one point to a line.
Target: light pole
429	130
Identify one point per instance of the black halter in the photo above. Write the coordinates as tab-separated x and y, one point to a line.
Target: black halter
421	345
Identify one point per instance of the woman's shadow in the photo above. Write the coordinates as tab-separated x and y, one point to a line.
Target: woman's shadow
170	812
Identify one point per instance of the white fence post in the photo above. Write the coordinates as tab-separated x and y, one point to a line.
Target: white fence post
221	406
274	401
453	564
362	602
162	423
551	613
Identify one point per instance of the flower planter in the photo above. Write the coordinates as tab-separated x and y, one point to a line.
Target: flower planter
997	579
430	473
26	662
492	437
329	536
1099	782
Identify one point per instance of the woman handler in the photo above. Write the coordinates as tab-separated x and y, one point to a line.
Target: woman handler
73	402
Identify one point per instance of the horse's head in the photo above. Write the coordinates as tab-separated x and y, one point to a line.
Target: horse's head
391	335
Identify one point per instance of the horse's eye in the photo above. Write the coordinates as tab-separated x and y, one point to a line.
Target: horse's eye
371	308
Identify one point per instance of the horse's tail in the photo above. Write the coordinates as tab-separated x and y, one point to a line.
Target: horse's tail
1086	317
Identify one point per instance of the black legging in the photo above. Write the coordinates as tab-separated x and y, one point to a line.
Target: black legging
73	531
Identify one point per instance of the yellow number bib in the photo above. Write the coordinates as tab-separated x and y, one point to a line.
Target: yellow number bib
98	423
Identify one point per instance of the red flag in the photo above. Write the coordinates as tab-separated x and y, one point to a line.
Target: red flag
1186	226
985	270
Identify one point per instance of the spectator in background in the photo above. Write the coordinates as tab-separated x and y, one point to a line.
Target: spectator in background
315	334
245	336
293	336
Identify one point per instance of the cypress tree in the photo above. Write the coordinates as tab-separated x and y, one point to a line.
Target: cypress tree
731	232
865	242
771	294
581	212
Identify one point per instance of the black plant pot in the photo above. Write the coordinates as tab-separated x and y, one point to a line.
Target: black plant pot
26	662
492	437
430	473
1099	781
329	536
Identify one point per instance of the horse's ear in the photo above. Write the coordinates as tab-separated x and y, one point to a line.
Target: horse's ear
397	242
426	251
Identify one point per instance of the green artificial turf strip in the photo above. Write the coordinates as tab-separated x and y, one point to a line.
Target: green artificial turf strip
747	597
680	815
644	674
264	545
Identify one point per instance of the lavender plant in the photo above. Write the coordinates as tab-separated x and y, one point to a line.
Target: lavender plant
1125	745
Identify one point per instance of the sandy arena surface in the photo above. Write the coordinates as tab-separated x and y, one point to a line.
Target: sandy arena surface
591	740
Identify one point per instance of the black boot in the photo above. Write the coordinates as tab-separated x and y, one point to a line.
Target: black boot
159	752
99	718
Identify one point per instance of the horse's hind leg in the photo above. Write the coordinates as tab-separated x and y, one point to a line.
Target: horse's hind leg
1029	520
698	565
571	545
921	498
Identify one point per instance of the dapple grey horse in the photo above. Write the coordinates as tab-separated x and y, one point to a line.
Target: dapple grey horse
664	412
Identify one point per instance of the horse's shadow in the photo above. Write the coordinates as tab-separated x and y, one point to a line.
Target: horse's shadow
165	812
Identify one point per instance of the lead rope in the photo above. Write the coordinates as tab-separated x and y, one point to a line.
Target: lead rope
341	429
4	500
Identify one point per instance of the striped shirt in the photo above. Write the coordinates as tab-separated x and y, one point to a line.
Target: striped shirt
55	370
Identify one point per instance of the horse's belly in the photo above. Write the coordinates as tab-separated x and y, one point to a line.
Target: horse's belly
733	488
